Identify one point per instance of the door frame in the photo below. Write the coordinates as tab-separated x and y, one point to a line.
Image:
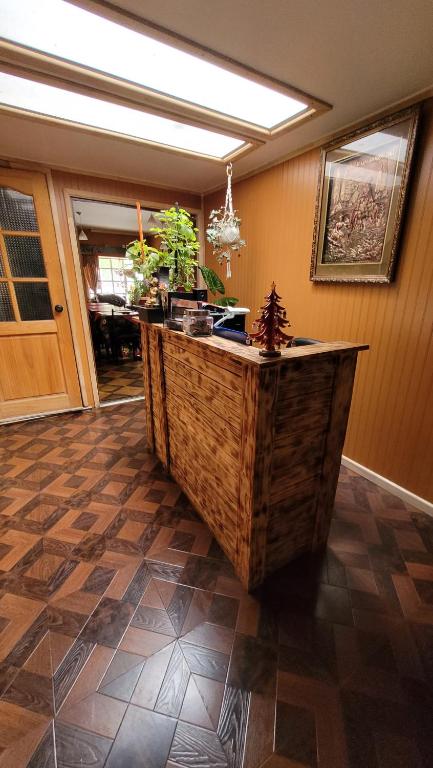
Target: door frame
69	194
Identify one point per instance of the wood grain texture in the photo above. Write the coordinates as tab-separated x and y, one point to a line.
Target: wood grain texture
257	458
391	422
147	385
157	381
27	385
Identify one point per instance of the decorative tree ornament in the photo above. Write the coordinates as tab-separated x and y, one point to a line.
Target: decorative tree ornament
270	324
223	231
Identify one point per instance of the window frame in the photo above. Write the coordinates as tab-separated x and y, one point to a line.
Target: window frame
127	281
54	71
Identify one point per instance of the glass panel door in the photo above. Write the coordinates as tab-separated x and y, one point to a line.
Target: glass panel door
24	291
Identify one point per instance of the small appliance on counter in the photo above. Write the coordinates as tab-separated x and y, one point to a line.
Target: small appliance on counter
229	322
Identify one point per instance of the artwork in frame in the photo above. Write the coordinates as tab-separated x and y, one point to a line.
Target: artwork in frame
360	201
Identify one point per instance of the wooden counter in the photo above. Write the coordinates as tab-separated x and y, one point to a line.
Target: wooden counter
254	443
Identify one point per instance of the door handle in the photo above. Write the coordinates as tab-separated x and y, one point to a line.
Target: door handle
58	308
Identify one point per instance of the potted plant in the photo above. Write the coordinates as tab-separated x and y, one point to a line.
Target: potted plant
178	250
178	246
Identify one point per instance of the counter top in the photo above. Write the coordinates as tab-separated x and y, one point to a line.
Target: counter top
243	354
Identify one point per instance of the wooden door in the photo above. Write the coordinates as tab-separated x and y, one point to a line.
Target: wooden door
38	372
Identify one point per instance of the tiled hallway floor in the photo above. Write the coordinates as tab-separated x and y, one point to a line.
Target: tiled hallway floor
119	381
127	642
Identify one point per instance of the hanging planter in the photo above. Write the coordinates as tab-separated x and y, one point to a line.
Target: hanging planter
223	231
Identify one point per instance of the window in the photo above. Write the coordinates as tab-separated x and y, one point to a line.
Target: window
111	276
68	32
85	110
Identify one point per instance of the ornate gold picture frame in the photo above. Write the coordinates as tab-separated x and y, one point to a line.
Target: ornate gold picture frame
360	201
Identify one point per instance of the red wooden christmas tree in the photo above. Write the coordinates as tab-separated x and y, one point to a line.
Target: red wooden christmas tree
270	324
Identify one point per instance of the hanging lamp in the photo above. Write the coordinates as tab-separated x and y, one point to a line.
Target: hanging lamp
81	234
223	231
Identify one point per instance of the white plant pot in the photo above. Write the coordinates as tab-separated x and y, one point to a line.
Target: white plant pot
229	234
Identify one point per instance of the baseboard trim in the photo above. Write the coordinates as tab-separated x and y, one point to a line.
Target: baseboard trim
388	485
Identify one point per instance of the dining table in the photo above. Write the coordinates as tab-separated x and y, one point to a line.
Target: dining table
103	309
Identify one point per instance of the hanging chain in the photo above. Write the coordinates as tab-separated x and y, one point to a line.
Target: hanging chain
229	201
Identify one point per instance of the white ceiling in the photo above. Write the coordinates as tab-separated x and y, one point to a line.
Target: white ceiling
109	217
360	55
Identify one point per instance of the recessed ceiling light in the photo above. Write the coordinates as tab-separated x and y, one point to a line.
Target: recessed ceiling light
65	105
68	32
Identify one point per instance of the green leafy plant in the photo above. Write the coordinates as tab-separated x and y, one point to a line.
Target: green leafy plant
213	281
215	285
145	259
138	289
226	301
179	246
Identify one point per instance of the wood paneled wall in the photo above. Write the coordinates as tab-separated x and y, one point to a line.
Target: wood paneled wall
391	423
125	192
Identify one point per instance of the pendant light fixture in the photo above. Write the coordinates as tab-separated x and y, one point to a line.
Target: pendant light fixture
81	234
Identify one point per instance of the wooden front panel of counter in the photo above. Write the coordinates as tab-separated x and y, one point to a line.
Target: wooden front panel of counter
255	444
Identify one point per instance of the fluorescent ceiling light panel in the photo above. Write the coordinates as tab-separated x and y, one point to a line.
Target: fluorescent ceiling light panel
47	100
57	28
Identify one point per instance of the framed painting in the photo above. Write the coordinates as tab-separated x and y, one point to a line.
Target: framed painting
360	201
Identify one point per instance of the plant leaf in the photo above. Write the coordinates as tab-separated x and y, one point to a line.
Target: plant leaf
226	301
212	280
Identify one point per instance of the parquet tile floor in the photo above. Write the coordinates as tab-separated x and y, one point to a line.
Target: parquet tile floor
127	642
119	381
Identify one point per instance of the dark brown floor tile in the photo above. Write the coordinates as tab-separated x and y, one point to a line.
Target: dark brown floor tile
182	540
99	580
172	691
202	702
295	734
135	590
7	674
144	738
97	713
253	666
333	604
76	748
108	623
224	611
85	521
154	619
193	746
200	572
31	691
232	726
211	636
69	670
165	571
178	606
205	662
45	755
122	675
65	622
151	678
27	643
90	548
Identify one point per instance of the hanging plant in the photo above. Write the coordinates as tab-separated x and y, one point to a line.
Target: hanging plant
223	231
